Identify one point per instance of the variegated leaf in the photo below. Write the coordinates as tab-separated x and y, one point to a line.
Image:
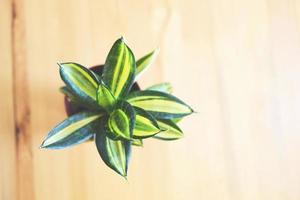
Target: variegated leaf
145	124
74	130
137	142
159	104
105	98
115	154
119	70
68	92
119	124
162	87
144	63
121	121
176	120
81	81
172	131
73	104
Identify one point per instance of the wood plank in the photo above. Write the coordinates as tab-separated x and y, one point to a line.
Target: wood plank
76	32
22	110
236	62
7	136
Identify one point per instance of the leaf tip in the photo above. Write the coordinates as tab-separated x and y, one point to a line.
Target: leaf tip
194	111
42	146
122	39
191	110
155	52
123	173
61	67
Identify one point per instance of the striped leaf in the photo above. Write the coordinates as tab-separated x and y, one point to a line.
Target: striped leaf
143	63
137	142
119	70
81	81
145	124
172	131
176	120
115	154
121	122
159	104
75	103
74	130
105	98
162	87
68	92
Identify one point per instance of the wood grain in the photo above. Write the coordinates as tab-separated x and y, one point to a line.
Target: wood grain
22	110
236	62
7	136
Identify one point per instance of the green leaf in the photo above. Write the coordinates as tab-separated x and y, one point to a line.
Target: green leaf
105	98
121	122
172	131
75	101
176	120
68	92
162	87
81	81
115	154
143	63
74	130
145	124
119	70
159	104
137	142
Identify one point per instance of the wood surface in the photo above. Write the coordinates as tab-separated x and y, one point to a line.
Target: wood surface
236	62
7	136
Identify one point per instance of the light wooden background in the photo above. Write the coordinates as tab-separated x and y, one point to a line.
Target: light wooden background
235	61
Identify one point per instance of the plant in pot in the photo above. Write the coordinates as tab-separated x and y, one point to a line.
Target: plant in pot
105	104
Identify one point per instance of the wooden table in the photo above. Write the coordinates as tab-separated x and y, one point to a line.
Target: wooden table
236	62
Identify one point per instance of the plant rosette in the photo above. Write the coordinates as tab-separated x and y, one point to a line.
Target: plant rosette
106	105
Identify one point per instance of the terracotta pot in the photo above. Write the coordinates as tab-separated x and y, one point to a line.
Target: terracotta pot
72	108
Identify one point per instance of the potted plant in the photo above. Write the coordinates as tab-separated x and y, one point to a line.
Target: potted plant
106	105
